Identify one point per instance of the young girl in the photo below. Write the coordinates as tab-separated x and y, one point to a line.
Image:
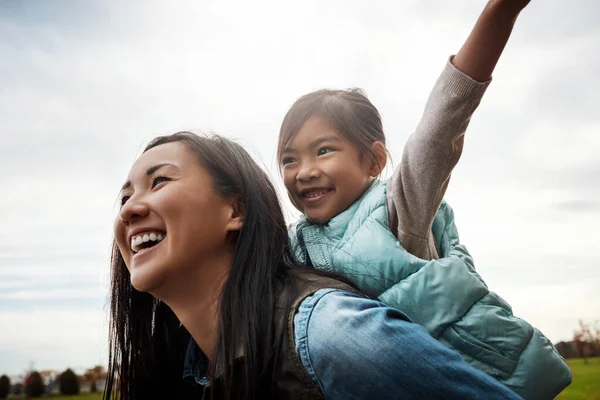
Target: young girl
396	240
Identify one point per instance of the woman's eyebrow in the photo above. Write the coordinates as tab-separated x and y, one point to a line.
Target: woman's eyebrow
149	172
152	170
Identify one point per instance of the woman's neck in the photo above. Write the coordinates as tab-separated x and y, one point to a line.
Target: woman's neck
195	300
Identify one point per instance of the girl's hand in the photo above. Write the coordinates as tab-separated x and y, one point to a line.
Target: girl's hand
514	6
482	49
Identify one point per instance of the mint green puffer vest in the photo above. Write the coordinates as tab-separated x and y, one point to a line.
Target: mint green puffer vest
446	296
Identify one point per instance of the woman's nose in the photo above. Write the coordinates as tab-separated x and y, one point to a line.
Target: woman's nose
133	210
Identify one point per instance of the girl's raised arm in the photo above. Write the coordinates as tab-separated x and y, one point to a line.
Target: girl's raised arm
418	185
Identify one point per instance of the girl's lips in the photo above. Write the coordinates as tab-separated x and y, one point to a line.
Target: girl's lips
316	199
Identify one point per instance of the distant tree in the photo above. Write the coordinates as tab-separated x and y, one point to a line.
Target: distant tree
34	385
580	339
17	389
595	332
98	373
587	339
4	386
93	375
49	377
68	383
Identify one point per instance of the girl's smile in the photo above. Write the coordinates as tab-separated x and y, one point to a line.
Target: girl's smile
322	171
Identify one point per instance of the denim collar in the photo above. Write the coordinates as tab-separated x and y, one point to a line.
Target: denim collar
195	365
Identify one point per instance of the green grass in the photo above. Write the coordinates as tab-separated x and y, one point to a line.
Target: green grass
586	383
83	396
586	380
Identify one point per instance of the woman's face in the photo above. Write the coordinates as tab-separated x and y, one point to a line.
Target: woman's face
171	220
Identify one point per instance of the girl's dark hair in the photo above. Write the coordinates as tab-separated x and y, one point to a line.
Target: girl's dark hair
349	112
147	345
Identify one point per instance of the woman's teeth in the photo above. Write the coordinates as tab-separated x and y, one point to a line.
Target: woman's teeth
137	241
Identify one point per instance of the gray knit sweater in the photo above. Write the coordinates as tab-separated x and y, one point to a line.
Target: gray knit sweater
417	187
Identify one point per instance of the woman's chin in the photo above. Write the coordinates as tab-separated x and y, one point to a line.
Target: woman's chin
145	281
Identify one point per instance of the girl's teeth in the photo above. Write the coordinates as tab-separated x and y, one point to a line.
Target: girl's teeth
138	240
146	238
152	236
160	236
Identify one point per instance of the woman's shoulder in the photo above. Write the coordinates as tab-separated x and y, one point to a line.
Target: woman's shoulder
309	280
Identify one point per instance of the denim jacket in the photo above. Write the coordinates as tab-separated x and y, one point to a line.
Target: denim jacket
353	347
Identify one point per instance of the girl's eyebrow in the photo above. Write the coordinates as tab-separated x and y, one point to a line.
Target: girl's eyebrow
323	139
314	143
149	172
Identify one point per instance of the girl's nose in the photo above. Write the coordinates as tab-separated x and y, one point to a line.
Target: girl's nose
308	172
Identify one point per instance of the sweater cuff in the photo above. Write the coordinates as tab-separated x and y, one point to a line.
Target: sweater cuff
459	83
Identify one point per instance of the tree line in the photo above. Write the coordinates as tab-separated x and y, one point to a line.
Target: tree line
585	342
38	383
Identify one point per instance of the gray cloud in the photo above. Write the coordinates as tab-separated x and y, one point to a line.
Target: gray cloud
579	206
550	22
583	181
568	86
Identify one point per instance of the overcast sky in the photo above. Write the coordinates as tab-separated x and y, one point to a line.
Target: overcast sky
83	85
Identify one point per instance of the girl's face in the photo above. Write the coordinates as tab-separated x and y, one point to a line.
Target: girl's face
322	171
171	219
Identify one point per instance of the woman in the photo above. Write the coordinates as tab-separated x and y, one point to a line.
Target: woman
205	288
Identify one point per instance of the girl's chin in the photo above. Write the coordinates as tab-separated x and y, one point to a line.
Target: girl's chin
317	218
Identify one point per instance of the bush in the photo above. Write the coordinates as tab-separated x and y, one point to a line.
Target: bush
34	385
68	383
93	387
4	386
17	389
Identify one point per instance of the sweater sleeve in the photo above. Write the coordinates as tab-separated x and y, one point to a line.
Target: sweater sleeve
417	187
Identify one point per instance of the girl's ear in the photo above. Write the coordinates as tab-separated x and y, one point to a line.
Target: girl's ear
378	159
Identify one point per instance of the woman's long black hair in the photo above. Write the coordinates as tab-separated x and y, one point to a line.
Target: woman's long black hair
147	345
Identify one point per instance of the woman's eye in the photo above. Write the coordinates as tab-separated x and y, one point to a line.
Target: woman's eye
158	180
287	161
324	150
124	200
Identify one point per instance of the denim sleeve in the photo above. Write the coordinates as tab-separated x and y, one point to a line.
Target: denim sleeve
357	348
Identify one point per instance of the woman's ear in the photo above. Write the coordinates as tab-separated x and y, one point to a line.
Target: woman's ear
236	215
378	159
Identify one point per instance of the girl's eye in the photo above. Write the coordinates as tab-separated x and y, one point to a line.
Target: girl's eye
287	161
124	200
158	180
324	150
